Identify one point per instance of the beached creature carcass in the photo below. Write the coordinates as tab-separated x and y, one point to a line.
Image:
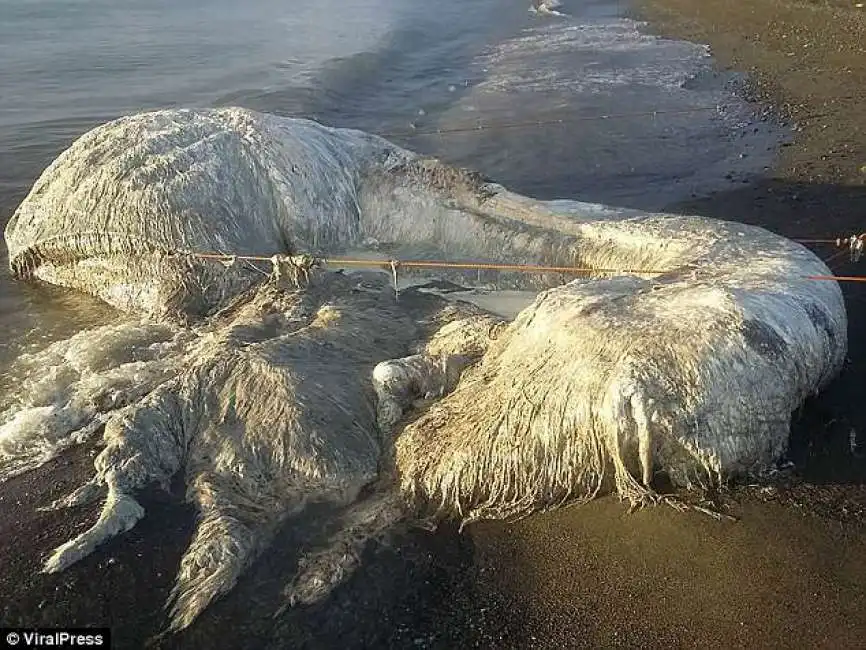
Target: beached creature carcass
266	397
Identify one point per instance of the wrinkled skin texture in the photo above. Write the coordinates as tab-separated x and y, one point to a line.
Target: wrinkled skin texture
274	408
266	397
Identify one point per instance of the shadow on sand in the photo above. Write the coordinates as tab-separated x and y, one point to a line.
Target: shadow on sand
421	590
417	590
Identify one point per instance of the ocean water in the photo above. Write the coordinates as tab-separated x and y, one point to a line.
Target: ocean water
625	118
585	105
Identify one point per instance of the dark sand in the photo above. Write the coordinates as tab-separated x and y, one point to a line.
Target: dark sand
790	573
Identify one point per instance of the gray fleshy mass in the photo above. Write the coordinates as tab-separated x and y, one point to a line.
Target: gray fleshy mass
267	396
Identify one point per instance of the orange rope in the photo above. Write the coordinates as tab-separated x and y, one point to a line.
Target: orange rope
220	256
473	266
433	264
838	278
482	266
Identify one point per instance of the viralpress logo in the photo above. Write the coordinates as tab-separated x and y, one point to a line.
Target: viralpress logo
59	639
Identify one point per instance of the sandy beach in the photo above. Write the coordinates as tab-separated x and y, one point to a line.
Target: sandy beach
789	572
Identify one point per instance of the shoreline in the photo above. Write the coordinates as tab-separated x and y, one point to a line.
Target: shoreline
789	573
806	66
809	68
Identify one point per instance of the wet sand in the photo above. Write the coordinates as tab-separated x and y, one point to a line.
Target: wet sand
789	573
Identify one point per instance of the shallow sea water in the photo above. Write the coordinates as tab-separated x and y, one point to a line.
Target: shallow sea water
585	106
625	118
